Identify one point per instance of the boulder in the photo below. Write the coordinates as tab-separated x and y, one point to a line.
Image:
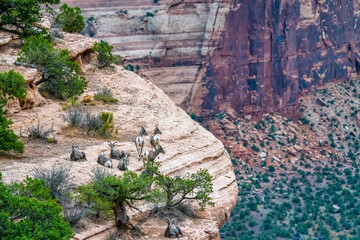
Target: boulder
76	44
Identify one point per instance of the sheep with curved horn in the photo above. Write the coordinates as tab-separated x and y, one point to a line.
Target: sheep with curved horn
77	155
172	231
139	142
115	154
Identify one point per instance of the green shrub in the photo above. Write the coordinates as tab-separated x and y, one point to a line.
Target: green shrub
105	57
105	95
255	148
196	186
196	118
30	213
149	14
108	124
70	19
59	74
304	120
137	68
19	16
129	67
12	85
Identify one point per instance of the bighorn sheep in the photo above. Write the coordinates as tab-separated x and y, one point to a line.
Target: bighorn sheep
106	162
139	142
173	231
122	166
115	154
155	140
76	155
151	155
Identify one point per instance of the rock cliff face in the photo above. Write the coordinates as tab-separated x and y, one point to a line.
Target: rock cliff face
248	55
274	50
169	46
188	146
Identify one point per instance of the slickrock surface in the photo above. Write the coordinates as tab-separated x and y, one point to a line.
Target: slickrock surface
251	56
188	147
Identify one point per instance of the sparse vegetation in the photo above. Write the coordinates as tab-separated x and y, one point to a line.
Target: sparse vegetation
40	132
295	206
101	124
57	179
104	94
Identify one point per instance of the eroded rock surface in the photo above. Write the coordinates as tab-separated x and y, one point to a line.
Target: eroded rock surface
250	56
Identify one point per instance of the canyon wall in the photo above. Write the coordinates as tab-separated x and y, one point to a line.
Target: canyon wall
243	56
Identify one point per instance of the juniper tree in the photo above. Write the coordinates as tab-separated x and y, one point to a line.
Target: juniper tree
12	85
19	16
59	75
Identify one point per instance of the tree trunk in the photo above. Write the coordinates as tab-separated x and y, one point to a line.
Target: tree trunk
40	81
122	220
24	64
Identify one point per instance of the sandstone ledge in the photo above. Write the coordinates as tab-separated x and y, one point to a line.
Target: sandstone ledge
188	147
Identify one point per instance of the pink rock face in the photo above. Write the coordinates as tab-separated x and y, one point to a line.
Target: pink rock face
250	56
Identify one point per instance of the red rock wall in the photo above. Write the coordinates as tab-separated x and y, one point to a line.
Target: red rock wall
272	50
249	56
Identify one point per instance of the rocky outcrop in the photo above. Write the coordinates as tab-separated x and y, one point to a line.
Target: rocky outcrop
75	44
245	56
188	147
33	97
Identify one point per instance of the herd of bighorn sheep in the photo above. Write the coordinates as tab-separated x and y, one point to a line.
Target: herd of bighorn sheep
123	156
171	231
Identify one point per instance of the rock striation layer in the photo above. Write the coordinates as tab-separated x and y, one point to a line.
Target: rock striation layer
250	56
